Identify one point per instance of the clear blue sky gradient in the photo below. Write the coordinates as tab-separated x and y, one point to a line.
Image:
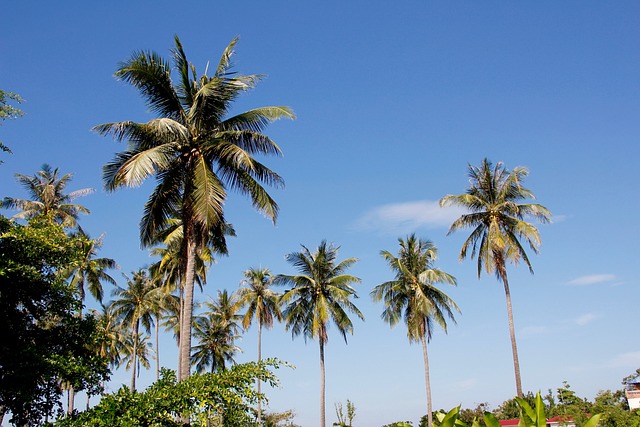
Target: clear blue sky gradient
394	100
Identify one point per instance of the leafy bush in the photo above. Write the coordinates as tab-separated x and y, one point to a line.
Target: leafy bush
221	399
530	416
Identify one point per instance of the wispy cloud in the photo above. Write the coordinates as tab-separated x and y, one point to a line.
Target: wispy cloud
585	319
625	360
468	384
408	216
592	279
559	218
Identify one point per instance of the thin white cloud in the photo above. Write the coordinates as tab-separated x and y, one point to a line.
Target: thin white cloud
592	279
559	218
468	384
626	360
585	319
408	216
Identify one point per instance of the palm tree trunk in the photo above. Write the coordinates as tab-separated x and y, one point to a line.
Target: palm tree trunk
322	405
135	354
512	333
70	400
157	348
427	381
185	327
180	316
259	359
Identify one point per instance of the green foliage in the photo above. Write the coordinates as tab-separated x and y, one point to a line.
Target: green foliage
509	409
44	341
615	410
8	111
399	424
345	420
632	378
221	399
47	197
319	293
531	415
570	405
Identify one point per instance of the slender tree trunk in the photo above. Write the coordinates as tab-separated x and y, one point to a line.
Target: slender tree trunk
427	381
70	399
185	329
180	316
322	405
512	333
157	347
135	354
259	359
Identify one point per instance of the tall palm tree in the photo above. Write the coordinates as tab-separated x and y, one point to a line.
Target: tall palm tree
47	197
497	219
413	296
90	270
320	294
195	150
134	305
262	303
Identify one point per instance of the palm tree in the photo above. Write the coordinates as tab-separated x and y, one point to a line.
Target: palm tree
196	152
262	303
215	345
216	331
111	334
90	270
412	295
135	354
320	293
224	310
497	219
134	305
47	197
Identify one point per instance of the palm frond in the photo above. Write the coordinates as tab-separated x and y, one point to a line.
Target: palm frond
151	75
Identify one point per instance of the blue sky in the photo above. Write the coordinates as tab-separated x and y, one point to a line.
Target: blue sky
393	103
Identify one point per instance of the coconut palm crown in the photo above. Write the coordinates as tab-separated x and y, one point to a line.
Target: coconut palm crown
196	151
498	222
46	189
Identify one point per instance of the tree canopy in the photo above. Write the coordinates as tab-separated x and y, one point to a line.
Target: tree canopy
44	341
